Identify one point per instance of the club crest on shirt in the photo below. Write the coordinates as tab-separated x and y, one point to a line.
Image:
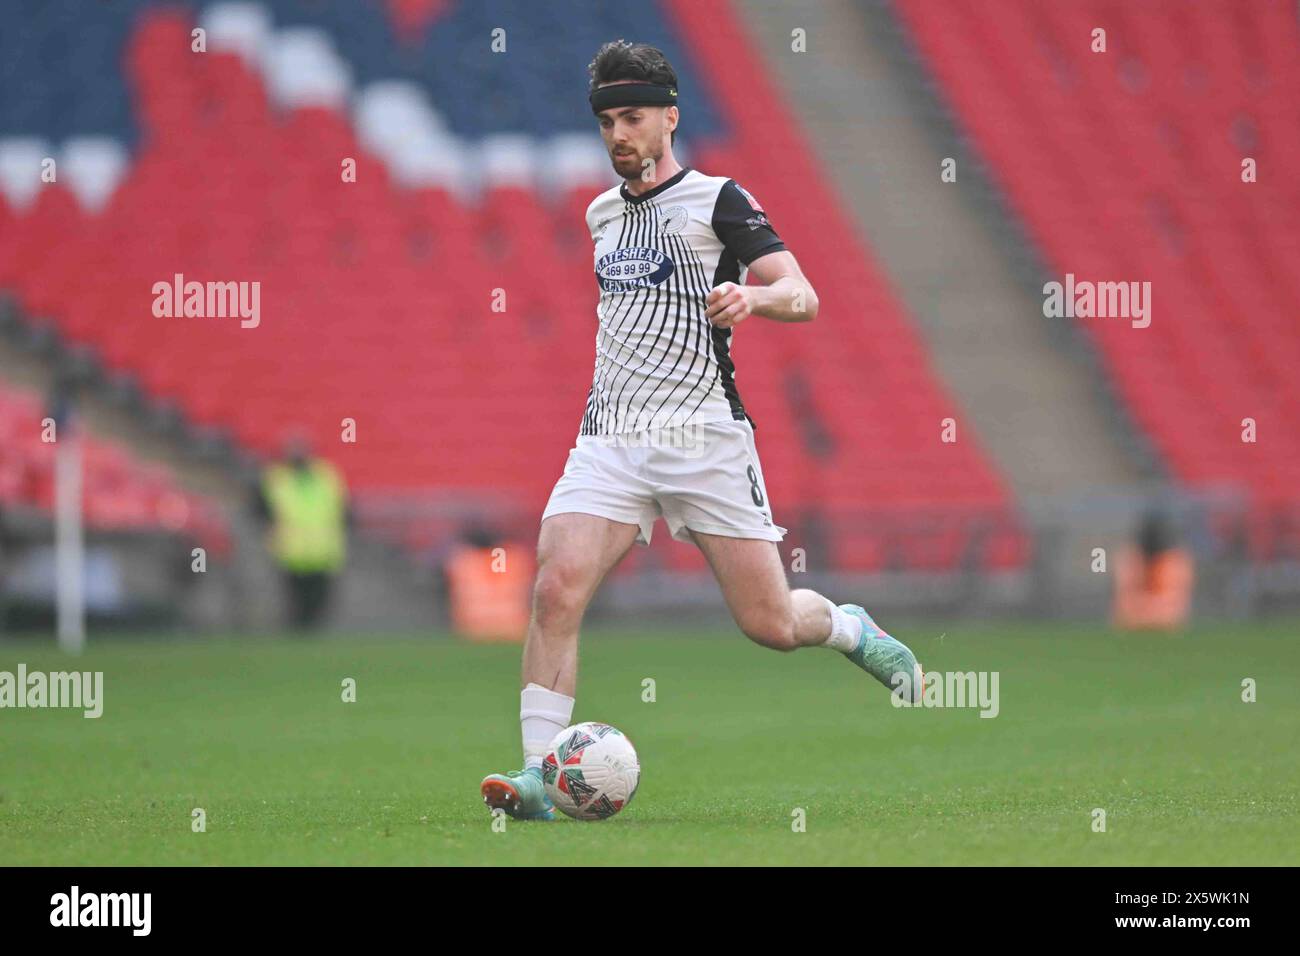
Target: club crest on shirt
672	220
636	267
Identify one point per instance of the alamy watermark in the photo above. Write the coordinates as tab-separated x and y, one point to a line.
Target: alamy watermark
1103	300
690	439
75	908
974	689
208	300
79	690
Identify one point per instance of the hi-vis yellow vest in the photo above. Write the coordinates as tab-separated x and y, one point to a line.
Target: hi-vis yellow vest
307	530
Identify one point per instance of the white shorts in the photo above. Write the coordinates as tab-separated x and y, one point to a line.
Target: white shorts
702	478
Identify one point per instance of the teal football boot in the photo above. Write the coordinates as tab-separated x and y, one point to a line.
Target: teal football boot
883	658
519	793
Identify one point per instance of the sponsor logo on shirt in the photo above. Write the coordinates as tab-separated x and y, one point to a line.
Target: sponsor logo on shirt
636	267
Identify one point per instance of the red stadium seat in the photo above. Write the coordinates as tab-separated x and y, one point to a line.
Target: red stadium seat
1120	174
377	304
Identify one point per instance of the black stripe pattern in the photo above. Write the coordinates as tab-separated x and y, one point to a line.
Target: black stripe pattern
659	361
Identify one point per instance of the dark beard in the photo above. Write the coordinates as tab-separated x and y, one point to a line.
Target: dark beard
640	169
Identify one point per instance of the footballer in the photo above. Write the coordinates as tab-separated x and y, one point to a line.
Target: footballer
665	433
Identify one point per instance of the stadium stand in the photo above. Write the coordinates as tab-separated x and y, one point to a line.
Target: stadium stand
376	295
1128	165
120	492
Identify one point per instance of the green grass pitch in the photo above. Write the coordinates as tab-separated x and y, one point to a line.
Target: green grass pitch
1151	729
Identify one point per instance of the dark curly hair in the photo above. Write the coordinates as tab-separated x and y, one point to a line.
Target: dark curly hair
621	60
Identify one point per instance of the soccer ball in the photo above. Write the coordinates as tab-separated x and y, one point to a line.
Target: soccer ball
590	771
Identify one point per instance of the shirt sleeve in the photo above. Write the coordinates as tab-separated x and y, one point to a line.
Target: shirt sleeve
741	224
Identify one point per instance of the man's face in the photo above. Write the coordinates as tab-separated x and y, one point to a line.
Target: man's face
634	134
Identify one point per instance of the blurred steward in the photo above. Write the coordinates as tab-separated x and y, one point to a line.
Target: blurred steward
1154	579
305	501
488	585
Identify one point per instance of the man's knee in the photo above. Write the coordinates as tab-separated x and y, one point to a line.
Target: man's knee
561	589
774	629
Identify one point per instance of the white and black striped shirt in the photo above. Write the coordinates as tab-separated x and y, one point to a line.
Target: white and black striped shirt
659	361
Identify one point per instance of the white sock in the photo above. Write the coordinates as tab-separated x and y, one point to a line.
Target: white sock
542	714
846	629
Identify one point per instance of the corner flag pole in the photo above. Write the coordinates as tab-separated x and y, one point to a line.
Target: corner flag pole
69	544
